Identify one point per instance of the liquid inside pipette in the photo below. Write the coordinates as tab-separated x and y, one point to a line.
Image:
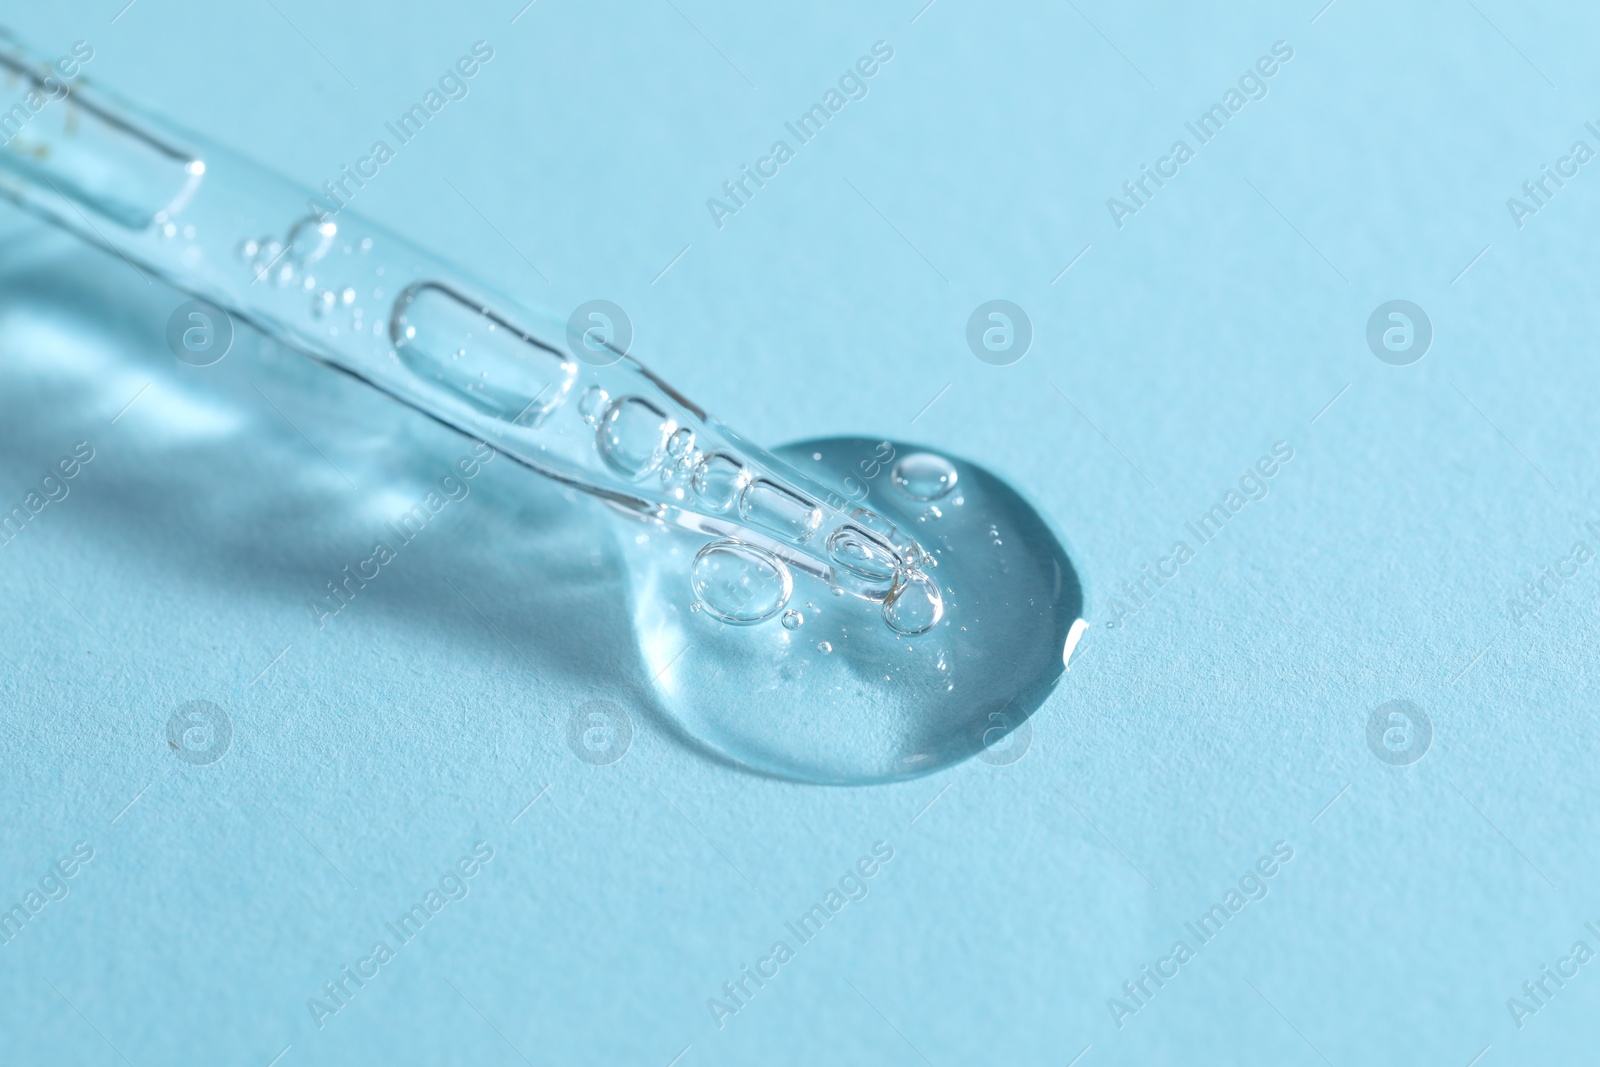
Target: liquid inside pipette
475	361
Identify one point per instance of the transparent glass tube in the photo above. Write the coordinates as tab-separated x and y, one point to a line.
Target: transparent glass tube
354	295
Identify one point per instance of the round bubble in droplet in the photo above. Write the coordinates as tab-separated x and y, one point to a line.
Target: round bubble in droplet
924	476
792	620
740	583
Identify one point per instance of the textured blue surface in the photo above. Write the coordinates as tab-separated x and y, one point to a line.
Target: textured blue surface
1227	714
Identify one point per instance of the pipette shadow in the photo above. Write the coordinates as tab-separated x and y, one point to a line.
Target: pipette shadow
252	483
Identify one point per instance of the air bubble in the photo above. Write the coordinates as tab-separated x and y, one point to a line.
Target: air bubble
792	620
924	476
718	481
767	504
824	647
863	553
310	240
740	583
592	404
633	436
429	324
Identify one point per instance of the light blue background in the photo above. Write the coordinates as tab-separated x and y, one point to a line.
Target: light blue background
1222	718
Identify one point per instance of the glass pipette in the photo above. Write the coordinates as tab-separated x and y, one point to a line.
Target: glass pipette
353	295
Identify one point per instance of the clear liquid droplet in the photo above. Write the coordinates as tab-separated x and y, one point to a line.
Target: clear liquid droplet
921	665
914	606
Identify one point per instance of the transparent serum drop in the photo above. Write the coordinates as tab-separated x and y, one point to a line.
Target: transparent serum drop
905	667
914	605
